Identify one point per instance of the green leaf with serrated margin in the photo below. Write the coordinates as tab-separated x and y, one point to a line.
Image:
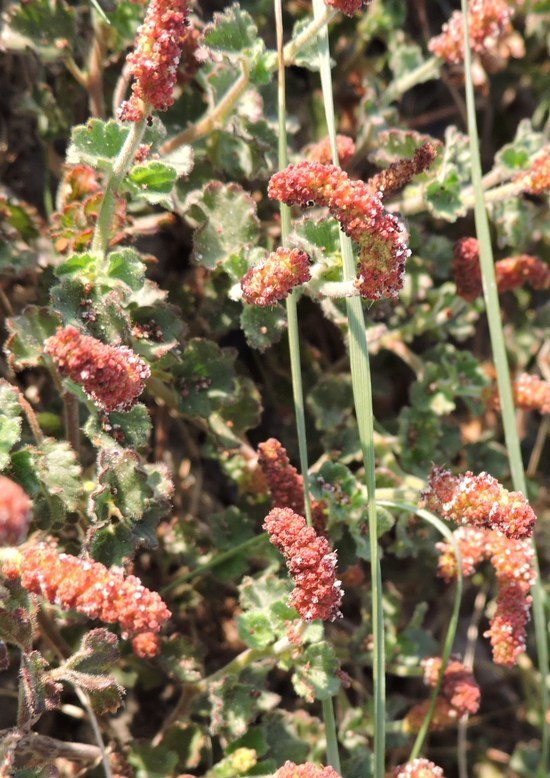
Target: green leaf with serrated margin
130	429
46	25
25	345
96	143
152	761
153	180
315	675
517	156
205	377
124	265
10	421
224	216
263	327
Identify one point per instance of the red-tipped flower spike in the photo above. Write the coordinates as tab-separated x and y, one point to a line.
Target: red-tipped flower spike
418	768
113	377
321	152
307	770
531	393
458	685
537	179
154	61
274	278
15	512
348	7
90	588
285	483
466	270
479	500
488	22
512	561
380	235
310	563
398	174
514	272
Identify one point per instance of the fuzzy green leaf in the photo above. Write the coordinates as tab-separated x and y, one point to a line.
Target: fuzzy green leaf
45	24
10	421
205	377
153	180
130	429
96	143
315	676
263	327
224	216
59	471
25	345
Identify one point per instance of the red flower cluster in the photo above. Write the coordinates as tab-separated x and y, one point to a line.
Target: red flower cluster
537	180
479	500
488	23
154	61
15	512
307	770
380	235
513	565
321	152
274	278
310	563
398	174
418	768
285	484
348	7
92	589
510	273
113	377
530	392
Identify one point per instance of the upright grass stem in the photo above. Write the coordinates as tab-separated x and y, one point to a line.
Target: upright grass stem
362	395
498	346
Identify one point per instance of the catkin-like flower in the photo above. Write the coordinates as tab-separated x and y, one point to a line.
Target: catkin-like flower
380	236
488	23
536	180
154	61
311	564
510	273
274	278
307	770
15	512
321	152
479	500
458	685
92	589
418	768
285	484
348	7
399	173
530	393
112	376
512	561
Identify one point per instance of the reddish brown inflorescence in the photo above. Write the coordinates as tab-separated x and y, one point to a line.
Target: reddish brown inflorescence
311	564
488	23
466	269
274	278
112	376
479	500
418	768
536	180
531	393
307	770
154	62
321	152
15	512
348	7
399	173
512	561
380	236
92	589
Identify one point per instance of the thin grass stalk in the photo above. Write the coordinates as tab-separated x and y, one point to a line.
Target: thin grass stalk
291	300
362	395
498	347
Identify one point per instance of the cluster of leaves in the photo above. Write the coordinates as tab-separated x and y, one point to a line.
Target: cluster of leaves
171	488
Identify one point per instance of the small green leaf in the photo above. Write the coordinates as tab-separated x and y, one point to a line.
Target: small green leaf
153	180
130	429
205	377
263	327
152	761
10	421
39	692
25	345
124	265
96	143
46	26
255	629
517	155
224	217
59	471
315	677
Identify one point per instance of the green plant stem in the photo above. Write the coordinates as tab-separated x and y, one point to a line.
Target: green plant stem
424	72
498	346
362	394
331	735
122	164
219	559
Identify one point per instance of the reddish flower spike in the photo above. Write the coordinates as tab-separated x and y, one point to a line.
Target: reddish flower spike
536	181
154	61
513	272
488	23
418	768
479	500
380	236
398	175
348	7
466	270
15	512
275	277
113	377
311	564
458	685
92	589
531	393
321	152
307	770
